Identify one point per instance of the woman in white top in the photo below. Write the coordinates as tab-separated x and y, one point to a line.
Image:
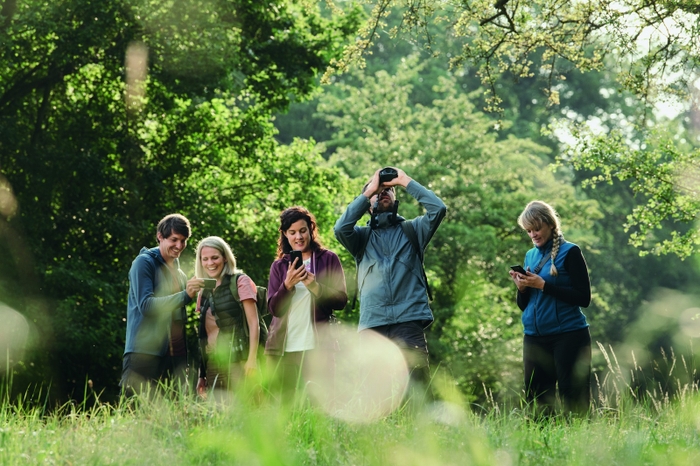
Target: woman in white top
301	296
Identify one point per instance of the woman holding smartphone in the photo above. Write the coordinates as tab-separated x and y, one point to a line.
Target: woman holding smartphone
306	285
551	292
228	353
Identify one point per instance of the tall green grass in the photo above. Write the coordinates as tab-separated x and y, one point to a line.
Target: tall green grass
624	428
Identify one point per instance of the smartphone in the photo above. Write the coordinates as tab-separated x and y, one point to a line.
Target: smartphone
518	268
209	283
296	254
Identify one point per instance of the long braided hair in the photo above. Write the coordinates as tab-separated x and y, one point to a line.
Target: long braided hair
537	213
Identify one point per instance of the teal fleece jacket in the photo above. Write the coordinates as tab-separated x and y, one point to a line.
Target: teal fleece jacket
557	308
151	306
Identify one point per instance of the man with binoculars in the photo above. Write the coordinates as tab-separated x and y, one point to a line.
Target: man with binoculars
388	252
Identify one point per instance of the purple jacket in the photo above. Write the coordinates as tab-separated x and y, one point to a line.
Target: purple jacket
332	295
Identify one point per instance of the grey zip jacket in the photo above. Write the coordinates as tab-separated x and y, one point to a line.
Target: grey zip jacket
151	306
391	285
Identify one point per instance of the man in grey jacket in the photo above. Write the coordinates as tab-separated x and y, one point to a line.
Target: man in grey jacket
391	283
156	317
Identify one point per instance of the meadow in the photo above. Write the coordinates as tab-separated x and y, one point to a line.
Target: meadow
623	428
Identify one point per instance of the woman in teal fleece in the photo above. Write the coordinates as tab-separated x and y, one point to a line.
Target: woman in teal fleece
557	341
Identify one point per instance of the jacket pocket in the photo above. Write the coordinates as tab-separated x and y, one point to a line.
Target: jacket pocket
364	272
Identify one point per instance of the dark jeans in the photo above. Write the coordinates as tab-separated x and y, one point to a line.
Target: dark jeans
565	359
140	370
410	338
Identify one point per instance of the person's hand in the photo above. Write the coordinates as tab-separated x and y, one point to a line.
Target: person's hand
194	284
310	282
294	275
529	280
250	367
516	279
202	387
373	186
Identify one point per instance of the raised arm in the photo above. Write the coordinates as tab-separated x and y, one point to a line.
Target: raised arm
142	278
435	210
345	230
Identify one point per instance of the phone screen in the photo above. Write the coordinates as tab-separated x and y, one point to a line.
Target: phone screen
209	283
519	269
296	254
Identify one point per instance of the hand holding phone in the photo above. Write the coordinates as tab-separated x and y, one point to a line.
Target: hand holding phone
209	283
519	269
296	255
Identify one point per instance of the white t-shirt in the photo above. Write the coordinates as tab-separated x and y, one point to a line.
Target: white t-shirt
300	328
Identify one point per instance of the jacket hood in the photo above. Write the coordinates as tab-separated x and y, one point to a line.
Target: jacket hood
154	253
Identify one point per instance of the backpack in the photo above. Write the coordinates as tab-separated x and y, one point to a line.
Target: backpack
261	306
410	232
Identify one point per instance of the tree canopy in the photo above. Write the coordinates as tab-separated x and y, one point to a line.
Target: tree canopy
113	115
651	47
411	109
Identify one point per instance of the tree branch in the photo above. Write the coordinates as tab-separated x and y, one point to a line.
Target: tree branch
501	7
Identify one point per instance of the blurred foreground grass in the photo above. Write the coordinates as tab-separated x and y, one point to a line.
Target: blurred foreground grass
172	431
631	423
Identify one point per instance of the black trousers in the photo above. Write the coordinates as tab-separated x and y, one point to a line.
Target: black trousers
563	359
140	370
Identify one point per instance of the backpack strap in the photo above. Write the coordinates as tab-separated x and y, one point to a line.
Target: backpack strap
410	232
546	257
261	322
233	286
544	260
202	333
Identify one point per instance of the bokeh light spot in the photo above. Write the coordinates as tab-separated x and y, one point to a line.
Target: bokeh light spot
356	377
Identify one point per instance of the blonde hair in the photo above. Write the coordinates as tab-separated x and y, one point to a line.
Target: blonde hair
225	250
537	213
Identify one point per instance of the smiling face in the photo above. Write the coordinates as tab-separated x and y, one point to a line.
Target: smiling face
540	236
299	236
386	199
172	246
212	262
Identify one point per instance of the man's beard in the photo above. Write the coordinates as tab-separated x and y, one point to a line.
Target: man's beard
384	208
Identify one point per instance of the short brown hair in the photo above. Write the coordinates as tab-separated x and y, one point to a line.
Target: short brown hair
174	222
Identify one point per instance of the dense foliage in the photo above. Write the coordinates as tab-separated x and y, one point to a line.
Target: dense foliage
411	109
115	114
649	47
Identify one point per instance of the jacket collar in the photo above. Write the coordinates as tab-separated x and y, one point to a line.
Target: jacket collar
546	247
387	219
158	257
